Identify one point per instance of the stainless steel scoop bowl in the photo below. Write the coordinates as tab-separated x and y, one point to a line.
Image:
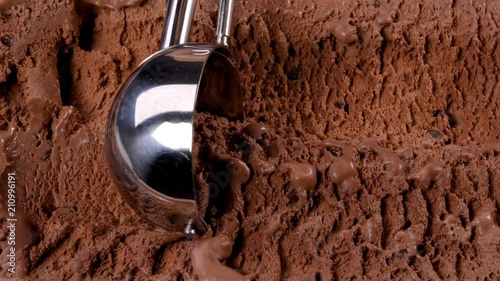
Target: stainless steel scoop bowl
149	135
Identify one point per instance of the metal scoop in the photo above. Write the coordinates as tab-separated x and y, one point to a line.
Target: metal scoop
149	133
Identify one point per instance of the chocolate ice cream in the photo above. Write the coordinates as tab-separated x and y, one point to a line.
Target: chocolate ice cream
370	147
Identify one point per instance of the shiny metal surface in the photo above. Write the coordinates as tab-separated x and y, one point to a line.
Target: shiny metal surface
150	128
224	21
177	23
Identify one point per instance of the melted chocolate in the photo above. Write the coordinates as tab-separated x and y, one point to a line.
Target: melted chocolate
342	170
302	178
7	4
262	167
427	174
456	229
343	31
254	130
113	4
394	165
485	224
206	258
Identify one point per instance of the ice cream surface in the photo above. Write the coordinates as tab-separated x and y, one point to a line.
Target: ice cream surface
370	147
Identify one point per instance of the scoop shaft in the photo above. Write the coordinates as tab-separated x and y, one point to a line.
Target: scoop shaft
178	22
224	22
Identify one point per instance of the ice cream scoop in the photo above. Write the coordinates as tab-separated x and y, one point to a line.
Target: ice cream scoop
149	135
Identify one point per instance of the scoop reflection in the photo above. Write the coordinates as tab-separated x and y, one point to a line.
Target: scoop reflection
183	133
154	101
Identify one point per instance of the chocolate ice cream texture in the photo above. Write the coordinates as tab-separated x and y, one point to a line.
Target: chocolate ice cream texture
399	125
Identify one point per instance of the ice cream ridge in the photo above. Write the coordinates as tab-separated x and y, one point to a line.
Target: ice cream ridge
369	147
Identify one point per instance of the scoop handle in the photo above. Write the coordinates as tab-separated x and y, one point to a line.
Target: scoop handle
178	22
224	22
